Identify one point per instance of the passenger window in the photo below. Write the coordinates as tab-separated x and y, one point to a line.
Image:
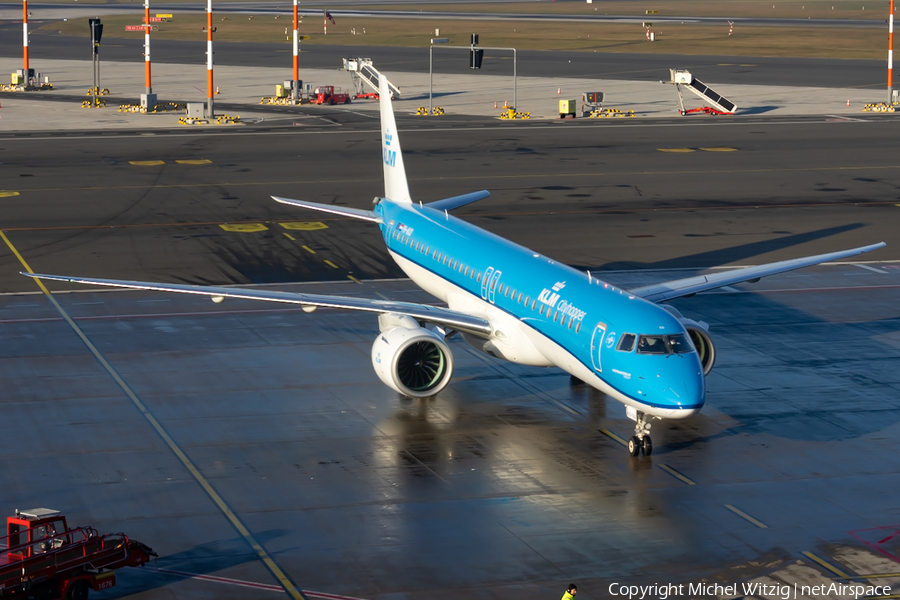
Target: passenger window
578	327
541	310
467	272
493	284
472	276
478	279
533	302
570	322
626	342
519	299
506	293
555	314
455	262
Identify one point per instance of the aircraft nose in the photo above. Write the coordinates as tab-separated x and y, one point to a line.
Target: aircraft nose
686	393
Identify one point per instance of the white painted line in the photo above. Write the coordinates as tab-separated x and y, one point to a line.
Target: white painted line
249	584
873	269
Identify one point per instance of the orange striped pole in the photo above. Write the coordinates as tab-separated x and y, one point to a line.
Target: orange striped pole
891	55
25	34
210	90
296	92
147	83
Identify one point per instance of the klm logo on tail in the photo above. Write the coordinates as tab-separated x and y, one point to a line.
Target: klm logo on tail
390	156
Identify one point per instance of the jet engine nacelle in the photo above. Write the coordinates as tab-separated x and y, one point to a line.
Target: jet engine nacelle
413	361
699	332
702	342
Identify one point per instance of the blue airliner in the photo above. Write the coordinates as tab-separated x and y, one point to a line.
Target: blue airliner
515	304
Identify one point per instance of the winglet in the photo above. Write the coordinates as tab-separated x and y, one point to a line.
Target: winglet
396	188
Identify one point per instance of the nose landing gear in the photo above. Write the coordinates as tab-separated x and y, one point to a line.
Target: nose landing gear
640	441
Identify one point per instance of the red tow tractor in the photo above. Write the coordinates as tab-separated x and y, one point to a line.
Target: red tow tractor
325	94
41	558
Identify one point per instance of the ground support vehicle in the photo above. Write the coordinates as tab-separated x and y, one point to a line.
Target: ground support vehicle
42	558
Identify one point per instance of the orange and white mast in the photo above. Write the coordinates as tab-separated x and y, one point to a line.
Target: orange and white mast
25	36
891	55
210	90
147	82
296	92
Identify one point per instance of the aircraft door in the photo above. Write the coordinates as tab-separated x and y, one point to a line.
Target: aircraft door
597	346
493	286
486	282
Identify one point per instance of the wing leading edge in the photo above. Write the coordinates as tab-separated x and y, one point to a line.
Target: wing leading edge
421	312
678	288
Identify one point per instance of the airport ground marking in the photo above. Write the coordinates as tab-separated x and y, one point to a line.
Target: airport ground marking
504	177
243	227
289	236
719	149
681	150
250	584
679	476
202	161
868	268
146	163
613	436
352	278
303	225
745	516
308	249
8	194
331	264
261	552
822	562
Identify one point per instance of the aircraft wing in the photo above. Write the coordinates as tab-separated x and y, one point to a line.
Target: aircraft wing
421	312
678	288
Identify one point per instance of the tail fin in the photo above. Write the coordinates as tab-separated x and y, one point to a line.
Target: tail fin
395	185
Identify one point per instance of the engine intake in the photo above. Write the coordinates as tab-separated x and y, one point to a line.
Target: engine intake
413	361
706	350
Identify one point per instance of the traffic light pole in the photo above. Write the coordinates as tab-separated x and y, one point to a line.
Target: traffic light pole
431	70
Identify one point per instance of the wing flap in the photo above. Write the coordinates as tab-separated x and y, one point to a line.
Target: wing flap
421	312
678	288
344	211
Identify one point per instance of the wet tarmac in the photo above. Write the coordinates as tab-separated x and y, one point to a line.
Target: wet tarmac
201	429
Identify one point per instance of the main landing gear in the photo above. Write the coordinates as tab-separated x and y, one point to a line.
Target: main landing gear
640	441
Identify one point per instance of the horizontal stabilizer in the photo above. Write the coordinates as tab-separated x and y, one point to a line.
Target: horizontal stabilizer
678	288
355	213
457	201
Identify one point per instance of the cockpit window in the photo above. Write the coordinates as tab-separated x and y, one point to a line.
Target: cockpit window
679	344
664	344
626	342
652	344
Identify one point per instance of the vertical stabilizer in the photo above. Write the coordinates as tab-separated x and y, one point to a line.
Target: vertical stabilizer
395	186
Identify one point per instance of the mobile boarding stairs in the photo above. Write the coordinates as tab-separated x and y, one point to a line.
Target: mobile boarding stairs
718	104
363	73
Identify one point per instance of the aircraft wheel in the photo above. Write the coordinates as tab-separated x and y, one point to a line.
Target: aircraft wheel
634	446
647	446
